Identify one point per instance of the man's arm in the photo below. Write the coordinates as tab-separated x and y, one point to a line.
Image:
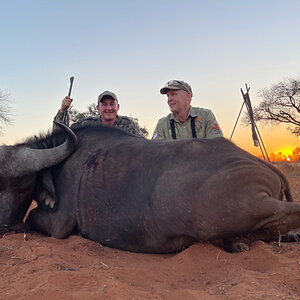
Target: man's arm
212	127
158	133
66	102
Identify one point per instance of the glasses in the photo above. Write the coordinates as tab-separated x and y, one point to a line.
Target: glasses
171	82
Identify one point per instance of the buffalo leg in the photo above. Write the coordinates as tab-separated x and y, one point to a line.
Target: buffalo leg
286	219
280	226
53	223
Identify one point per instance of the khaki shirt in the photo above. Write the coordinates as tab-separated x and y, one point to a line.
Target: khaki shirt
206	126
123	122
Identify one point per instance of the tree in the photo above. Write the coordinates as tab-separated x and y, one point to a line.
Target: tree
144	130
76	115
296	154
280	104
4	109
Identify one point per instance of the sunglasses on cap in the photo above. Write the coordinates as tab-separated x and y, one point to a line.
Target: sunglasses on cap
171	82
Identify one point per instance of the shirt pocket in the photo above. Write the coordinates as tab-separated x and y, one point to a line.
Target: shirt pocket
199	124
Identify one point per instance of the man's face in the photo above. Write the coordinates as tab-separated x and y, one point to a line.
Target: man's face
108	109
179	101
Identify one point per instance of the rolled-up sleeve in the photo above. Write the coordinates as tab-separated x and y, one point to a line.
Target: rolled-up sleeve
58	118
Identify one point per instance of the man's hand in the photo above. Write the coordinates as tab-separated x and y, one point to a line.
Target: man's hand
66	102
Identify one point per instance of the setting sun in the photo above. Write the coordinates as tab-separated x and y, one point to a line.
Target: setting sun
286	154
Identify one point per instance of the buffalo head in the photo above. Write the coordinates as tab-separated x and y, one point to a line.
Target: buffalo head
20	165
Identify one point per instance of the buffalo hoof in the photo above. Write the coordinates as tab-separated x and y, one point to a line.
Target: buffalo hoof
234	245
21	227
292	236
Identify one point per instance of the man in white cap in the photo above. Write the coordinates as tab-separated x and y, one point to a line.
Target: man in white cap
108	107
185	121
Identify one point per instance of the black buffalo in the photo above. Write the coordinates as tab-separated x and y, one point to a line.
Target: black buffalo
160	196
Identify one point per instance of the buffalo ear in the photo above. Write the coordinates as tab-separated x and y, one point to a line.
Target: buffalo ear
45	192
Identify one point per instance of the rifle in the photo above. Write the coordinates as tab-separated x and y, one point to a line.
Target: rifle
257	139
69	94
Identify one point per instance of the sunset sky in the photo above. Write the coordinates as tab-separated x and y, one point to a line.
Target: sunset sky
134	47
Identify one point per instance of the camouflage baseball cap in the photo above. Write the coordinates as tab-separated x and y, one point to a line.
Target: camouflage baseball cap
107	94
176	85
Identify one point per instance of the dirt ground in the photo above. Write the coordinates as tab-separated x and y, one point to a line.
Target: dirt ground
34	266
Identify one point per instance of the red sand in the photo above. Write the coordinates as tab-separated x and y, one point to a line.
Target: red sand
34	266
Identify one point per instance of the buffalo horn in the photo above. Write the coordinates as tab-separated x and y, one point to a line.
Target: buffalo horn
26	160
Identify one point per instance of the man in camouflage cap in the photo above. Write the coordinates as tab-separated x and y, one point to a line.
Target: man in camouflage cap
185	121
108	107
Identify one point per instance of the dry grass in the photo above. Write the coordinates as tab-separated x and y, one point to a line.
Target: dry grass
289	168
